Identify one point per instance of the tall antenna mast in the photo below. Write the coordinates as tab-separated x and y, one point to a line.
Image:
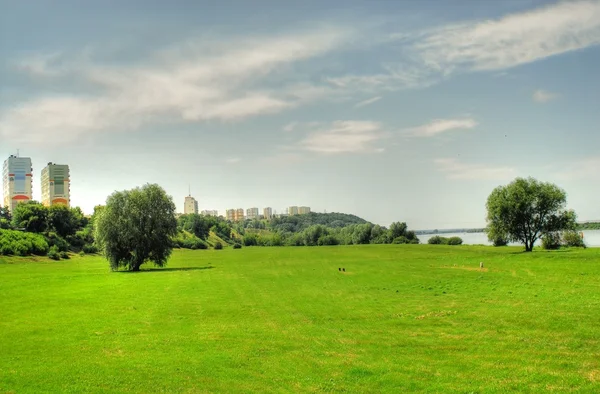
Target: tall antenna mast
189	190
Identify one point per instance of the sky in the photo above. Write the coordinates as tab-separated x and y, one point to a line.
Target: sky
407	110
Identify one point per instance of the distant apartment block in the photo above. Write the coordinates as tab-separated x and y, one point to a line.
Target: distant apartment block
239	214
17	181
303	210
252	213
293	210
190	205
234	215
268	213
56	185
230	215
210	213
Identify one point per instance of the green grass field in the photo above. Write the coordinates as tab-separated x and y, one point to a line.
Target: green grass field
402	318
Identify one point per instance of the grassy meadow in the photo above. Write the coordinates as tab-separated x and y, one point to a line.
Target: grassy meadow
402	318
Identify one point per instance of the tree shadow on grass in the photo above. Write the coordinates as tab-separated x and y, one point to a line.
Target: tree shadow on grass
168	269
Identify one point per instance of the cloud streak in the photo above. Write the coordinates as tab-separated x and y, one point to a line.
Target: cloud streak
185	83
367	102
439	126
543	96
343	136
457	170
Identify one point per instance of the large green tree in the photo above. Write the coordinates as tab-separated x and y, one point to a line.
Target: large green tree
136	226
31	216
65	221
525	210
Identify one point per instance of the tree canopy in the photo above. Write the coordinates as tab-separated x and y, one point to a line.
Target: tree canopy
525	210
136	226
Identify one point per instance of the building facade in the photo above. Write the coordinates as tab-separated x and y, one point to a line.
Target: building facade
190	205
293	210
268	213
252	213
17	181
56	184
239	214
230	215
303	210
208	212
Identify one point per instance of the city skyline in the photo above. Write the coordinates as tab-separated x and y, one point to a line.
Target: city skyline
408	110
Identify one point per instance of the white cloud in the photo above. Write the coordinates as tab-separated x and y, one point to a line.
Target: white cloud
543	96
454	169
367	102
182	83
344	136
288	128
429	56
514	39
439	126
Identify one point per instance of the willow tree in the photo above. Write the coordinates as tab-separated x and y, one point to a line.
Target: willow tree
136	226
525	210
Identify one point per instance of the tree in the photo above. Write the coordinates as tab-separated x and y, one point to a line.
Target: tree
136	226
525	210
5	218
65	221
31	216
398	229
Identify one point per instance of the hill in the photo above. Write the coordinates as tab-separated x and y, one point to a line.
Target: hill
297	223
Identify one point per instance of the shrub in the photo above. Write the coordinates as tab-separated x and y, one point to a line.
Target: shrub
58	241
551	241
218	245
237	246
250	239
499	241
455	241
20	243
400	240
64	255
572	238
437	240
327	240
54	253
89	249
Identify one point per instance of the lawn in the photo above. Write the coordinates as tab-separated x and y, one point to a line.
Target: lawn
402	318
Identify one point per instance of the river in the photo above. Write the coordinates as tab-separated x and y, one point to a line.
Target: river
590	237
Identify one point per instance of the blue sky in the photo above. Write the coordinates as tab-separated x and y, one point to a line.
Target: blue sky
404	110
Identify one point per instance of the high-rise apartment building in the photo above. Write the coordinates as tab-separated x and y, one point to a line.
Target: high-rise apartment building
56	185
234	215
230	214
252	213
17	181
303	210
293	210
208	212
190	205
239	214
268	213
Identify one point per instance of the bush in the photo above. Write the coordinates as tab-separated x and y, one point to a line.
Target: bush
455	241
551	241
400	240
237	246
54	253
573	239
327	240
218	245
437	240
64	255
89	249
58	241
250	239
499	241
19	243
